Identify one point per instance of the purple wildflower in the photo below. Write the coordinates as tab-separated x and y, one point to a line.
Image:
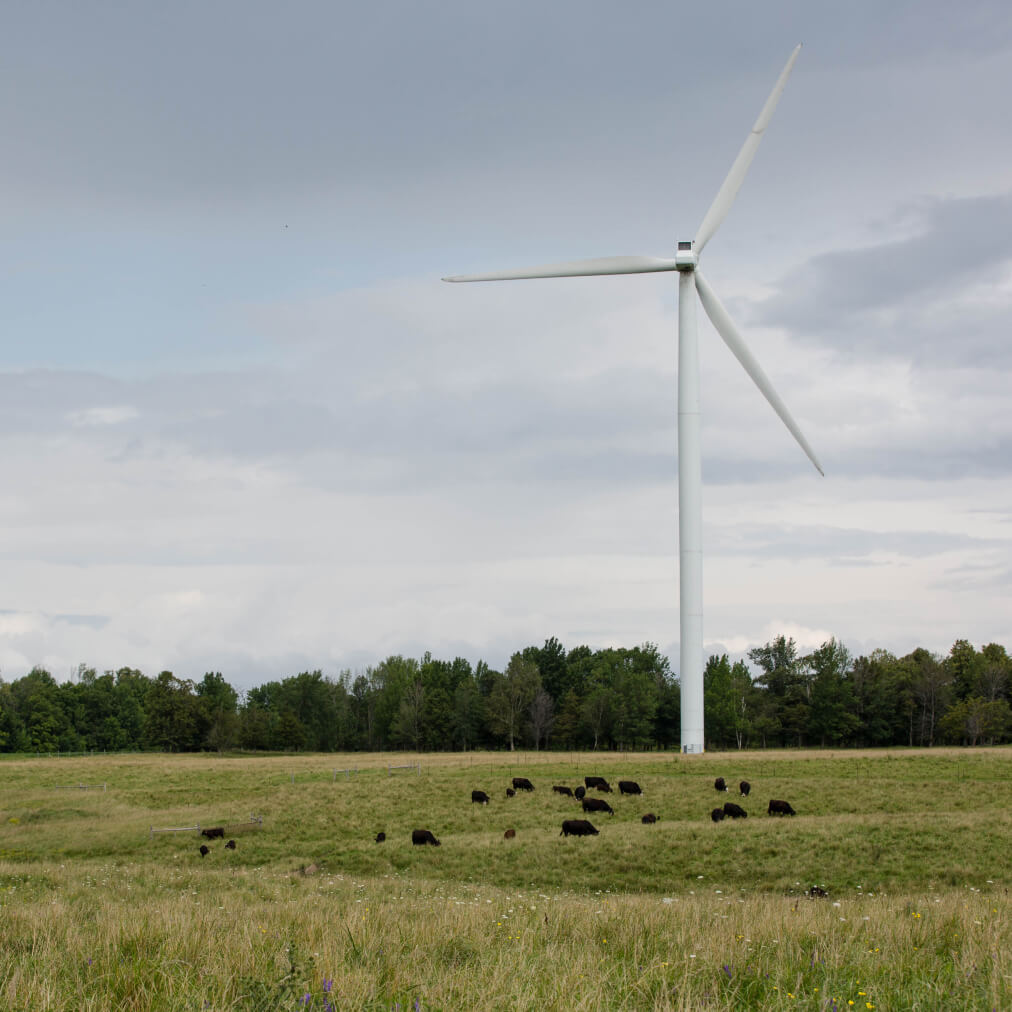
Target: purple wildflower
727	969
327	984
306	999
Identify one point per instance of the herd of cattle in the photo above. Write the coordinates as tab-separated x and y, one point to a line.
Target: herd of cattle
581	827
214	833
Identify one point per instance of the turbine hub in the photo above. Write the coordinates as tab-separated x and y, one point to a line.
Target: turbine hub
685	258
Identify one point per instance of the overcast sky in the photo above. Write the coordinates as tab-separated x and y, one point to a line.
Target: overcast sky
245	428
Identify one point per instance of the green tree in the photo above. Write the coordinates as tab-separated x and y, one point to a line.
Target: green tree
882	705
718	702
216	708
963	666
170	721
785	710
832	718
568	720
511	695
977	721
542	717
468	714
995	675
406	729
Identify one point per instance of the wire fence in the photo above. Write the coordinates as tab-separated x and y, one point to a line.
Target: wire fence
254	822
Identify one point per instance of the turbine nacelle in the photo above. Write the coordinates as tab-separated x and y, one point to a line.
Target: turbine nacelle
685	258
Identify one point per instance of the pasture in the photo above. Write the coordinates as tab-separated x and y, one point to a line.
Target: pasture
308	911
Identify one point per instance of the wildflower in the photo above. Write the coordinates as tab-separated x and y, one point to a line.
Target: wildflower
327	984
868	1004
727	969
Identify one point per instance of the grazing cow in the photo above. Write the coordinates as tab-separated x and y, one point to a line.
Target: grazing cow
204	850
649	819
743	788
479	798
420	837
780	808
563	790
577	827
629	787
717	814
734	811
230	845
522	784
381	837
595	781
510	793
510	834
817	892
596	805
580	793
217	833
719	785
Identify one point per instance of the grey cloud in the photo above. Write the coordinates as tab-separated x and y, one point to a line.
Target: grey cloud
837	545
898	297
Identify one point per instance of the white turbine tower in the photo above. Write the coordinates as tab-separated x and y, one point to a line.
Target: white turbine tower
690	281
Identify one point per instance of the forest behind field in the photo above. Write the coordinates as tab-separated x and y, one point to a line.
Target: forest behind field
546	698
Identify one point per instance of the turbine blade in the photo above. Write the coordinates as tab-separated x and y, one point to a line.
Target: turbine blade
727	330
729	190
577	269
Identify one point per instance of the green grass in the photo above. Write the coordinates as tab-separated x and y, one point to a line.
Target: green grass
912	848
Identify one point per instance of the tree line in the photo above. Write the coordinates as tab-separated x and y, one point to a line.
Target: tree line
546	697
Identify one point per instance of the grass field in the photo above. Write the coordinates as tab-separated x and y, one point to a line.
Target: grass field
913	849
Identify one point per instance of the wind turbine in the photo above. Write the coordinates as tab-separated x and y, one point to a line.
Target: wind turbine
690	282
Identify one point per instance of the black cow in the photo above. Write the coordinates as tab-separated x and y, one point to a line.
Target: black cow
479	798
595	781
717	814
204	850
522	784
580	793
597	805
420	837
230	845
743	788
734	811
649	819
719	785
629	787
780	808
817	892
510	834
563	790
577	827
217	833
510	793
381	837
